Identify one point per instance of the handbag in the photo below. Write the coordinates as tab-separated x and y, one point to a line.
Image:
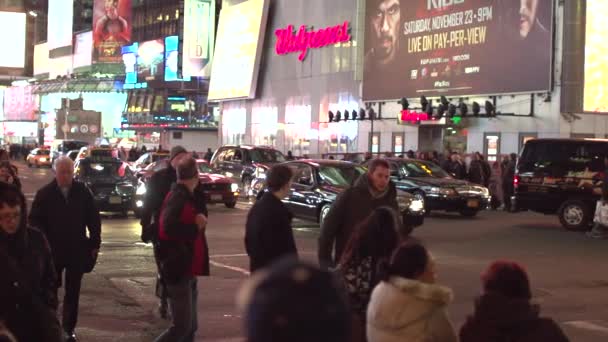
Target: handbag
601	213
357	280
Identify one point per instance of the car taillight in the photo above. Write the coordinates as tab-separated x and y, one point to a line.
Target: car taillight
516	181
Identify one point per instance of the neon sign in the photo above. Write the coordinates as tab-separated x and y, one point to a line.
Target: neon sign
289	42
413	117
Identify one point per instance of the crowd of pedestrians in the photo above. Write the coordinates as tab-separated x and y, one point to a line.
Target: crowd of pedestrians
375	282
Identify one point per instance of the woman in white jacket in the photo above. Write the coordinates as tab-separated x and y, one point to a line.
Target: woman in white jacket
407	305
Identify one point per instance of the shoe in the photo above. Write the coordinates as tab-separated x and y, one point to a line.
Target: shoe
70	336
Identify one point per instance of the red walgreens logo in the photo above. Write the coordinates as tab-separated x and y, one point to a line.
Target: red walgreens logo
289	42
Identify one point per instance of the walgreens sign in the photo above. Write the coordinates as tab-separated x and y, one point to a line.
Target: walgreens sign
288	41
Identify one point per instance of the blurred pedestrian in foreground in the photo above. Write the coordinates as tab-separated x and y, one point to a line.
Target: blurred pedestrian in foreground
183	252
296	302
8	174
504	312
28	301
371	244
407	305
64	210
268	234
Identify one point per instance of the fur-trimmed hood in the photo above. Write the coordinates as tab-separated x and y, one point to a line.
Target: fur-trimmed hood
409	310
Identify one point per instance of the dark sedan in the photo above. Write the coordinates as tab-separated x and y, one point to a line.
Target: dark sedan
437	188
317	183
111	181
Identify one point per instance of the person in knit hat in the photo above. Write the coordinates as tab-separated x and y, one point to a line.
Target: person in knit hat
296	302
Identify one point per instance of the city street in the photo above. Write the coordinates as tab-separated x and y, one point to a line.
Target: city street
568	271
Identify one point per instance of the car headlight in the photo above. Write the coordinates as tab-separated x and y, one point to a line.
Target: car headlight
43	160
234	187
442	191
417	205
141	189
485	191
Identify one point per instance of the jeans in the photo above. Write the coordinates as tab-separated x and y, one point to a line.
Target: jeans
183	298
73	281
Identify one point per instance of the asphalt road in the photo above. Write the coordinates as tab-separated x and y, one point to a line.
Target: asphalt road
568	271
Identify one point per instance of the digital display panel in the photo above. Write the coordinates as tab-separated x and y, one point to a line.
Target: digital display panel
59	30
13	23
456	47
111	29
596	58
199	33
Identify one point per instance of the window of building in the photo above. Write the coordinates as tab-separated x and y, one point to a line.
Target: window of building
491	143
374	142
398	143
298	125
234	126
264	123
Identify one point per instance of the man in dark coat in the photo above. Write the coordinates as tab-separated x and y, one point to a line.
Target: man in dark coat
507	181
268	234
64	210
183	252
352	206
208	155
28	301
157	189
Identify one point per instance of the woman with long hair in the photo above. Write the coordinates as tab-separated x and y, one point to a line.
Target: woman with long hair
372	243
407	305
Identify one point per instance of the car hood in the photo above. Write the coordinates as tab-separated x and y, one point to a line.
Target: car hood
109	181
213	178
431	181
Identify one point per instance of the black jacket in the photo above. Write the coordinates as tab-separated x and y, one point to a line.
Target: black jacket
28	300
501	319
177	251
268	234
157	189
349	210
65	223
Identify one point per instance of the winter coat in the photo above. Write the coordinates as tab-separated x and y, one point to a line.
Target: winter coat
268	234
65	223
477	173
409	310
157	189
183	250
496	183
351	207
507	177
501	319
28	298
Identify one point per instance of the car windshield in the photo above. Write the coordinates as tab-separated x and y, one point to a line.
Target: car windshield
342	176
421	169
105	169
204	168
44	152
157	157
560	159
266	156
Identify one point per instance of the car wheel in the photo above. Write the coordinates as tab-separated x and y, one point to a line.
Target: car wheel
230	204
323	213
575	215
469	212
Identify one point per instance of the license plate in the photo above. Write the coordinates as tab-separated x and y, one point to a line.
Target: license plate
115	200
217	197
472	203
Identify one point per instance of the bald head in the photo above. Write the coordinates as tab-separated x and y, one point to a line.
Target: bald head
64	171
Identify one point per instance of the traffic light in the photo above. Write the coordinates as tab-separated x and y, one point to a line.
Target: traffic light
451	110
440	111
463	109
429	108
338	116
405	104
444	101
490	110
372	113
331	116
423	103
346	114
354	114
362	114
476	108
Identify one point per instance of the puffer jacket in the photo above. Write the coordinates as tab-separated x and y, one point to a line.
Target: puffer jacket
409	310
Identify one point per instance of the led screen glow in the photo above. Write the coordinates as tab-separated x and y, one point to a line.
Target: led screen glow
60	23
238	50
83	49
171	56
199	31
596	58
15	24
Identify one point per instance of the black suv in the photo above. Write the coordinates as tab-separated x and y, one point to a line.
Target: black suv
436	188
244	163
563	177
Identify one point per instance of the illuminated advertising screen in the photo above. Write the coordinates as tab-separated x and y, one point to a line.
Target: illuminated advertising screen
41	59
456	47
19	104
13	37
596	58
111	29
59	29
83	49
240	39
150	57
199	33
171	62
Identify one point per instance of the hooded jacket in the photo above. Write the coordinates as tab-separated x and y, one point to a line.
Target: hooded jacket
28	298
409	310
351	207
501	319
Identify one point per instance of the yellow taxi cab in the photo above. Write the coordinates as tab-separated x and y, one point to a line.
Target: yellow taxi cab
94	151
39	157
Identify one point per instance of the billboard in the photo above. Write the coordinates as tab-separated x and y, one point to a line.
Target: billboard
59	30
199	33
41	59
111	29
19	104
456	47
12	40
171	60
150	57
240	39
596	59
83	49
